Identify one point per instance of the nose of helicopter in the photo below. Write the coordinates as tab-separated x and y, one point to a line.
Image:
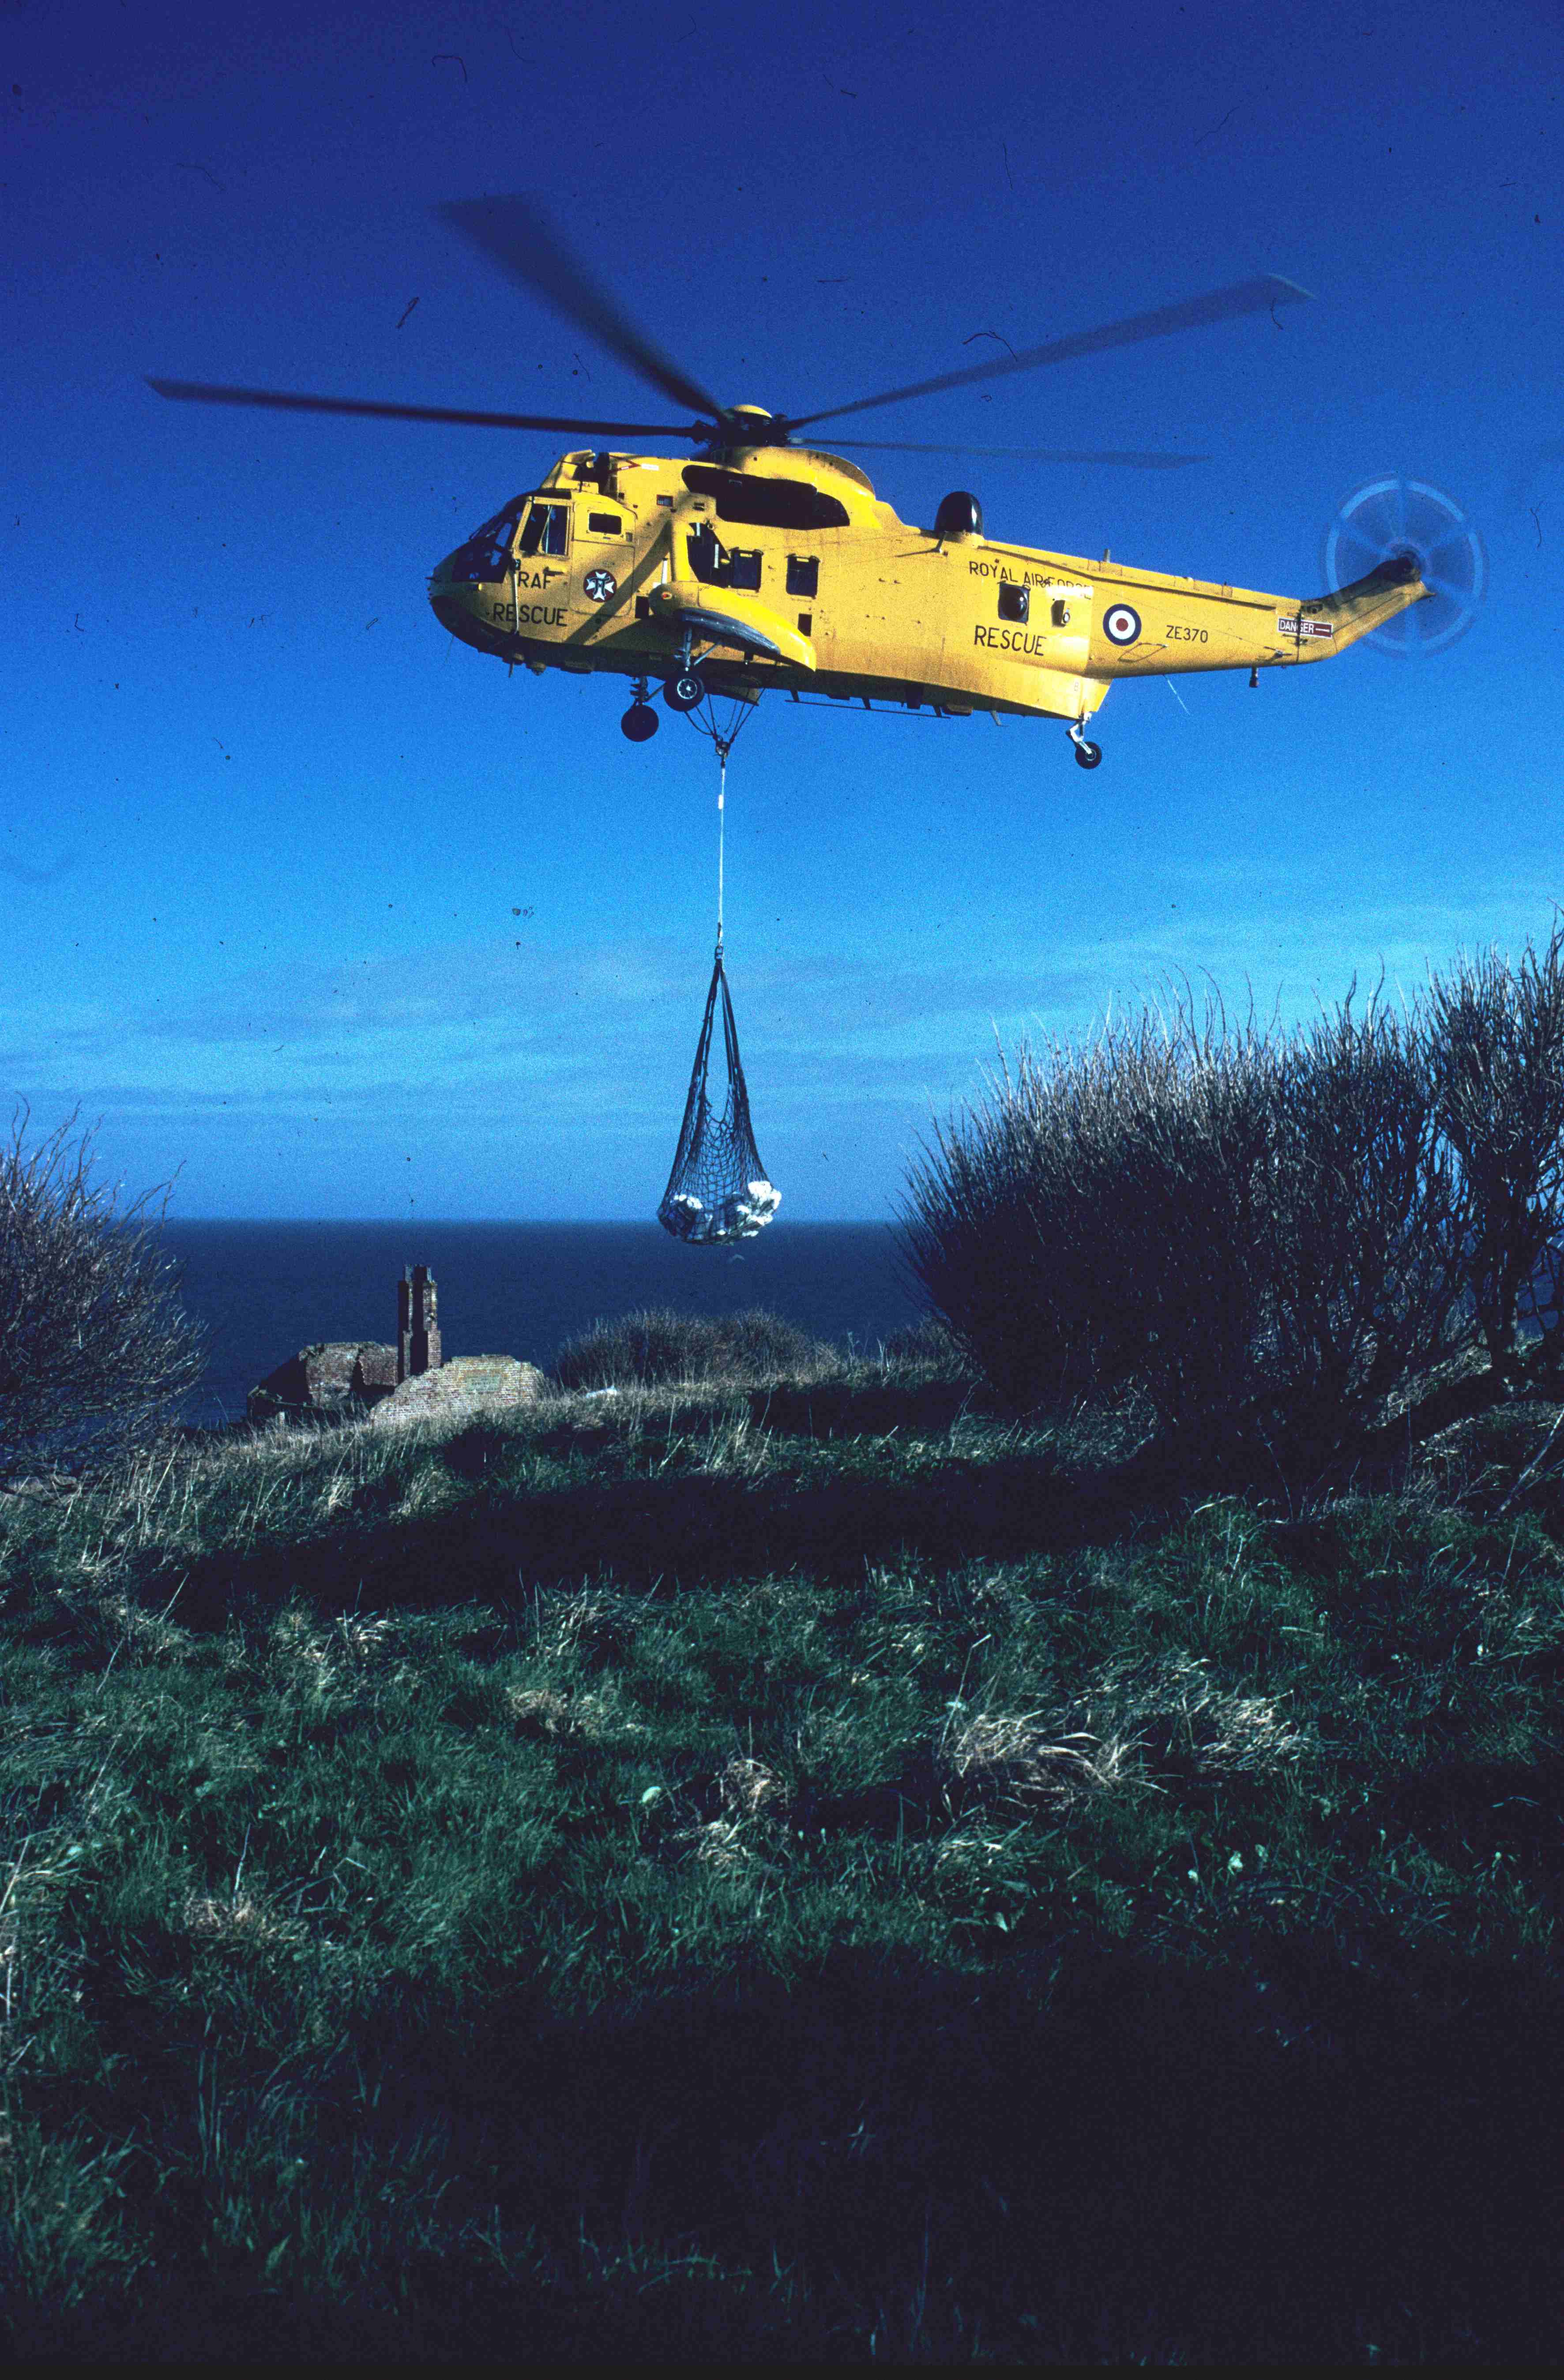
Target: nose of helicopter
453	601
445	594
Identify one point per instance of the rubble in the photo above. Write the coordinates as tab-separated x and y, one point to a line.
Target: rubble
464	1384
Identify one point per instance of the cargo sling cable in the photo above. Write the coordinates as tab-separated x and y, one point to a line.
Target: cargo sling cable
718	1191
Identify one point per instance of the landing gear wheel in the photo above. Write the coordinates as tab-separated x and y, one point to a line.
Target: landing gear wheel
640	722
685	692
1087	754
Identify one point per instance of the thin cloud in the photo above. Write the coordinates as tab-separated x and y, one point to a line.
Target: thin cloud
24	873
645	992
451	985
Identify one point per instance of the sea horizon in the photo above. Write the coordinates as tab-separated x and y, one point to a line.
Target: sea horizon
264	1289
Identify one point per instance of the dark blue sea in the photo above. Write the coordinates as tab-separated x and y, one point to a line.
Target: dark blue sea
265	1290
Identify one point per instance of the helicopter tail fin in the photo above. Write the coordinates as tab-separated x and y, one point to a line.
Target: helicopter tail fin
1327	622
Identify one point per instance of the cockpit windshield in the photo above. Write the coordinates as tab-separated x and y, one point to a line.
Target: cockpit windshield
486	553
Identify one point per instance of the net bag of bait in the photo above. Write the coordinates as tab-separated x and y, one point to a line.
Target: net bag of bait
717	1191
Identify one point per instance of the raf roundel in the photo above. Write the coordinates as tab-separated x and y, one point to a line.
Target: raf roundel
600	585
1121	624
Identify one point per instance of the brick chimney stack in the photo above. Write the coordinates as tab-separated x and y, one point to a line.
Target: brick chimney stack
418	1325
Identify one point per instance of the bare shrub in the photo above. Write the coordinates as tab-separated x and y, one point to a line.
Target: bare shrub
94	1350
1364	1227
1258	1235
1496	1049
1097	1224
1185	1154
657	1346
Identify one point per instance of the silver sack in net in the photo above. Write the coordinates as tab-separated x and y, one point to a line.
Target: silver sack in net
718	1191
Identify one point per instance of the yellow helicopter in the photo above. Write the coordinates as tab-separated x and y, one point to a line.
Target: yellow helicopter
765	564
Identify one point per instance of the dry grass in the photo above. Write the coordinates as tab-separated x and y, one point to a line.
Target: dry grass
744	1834
1022	1756
1183	1720
659	1347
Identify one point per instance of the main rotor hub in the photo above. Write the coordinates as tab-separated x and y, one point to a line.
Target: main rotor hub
750	425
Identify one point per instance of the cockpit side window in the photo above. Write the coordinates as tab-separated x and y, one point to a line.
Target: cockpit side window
547	529
486	553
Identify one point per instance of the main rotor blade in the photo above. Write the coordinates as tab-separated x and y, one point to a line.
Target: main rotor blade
518	237
1021	454
1257	297
283	401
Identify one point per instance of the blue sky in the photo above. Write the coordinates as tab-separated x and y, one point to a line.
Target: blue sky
333	918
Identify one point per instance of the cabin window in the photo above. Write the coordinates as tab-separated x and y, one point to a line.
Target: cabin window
1013	603
803	574
806	624
707	557
605	525
715	566
547	529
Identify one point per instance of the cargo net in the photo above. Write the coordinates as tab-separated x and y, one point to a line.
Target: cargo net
717	1191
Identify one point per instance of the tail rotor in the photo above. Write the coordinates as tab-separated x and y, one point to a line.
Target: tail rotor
1396	519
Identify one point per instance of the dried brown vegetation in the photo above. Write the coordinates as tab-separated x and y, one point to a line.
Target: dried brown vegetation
1262	1239
657	1347
1496	1042
94	1350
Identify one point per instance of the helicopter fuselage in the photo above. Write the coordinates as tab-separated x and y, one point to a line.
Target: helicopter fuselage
778	568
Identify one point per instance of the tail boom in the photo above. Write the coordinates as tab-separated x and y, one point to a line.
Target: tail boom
1185	624
1328	623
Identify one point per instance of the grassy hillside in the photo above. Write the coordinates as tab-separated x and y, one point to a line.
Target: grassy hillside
809	1871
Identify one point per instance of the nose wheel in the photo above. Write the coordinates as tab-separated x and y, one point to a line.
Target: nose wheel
640	721
1087	754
